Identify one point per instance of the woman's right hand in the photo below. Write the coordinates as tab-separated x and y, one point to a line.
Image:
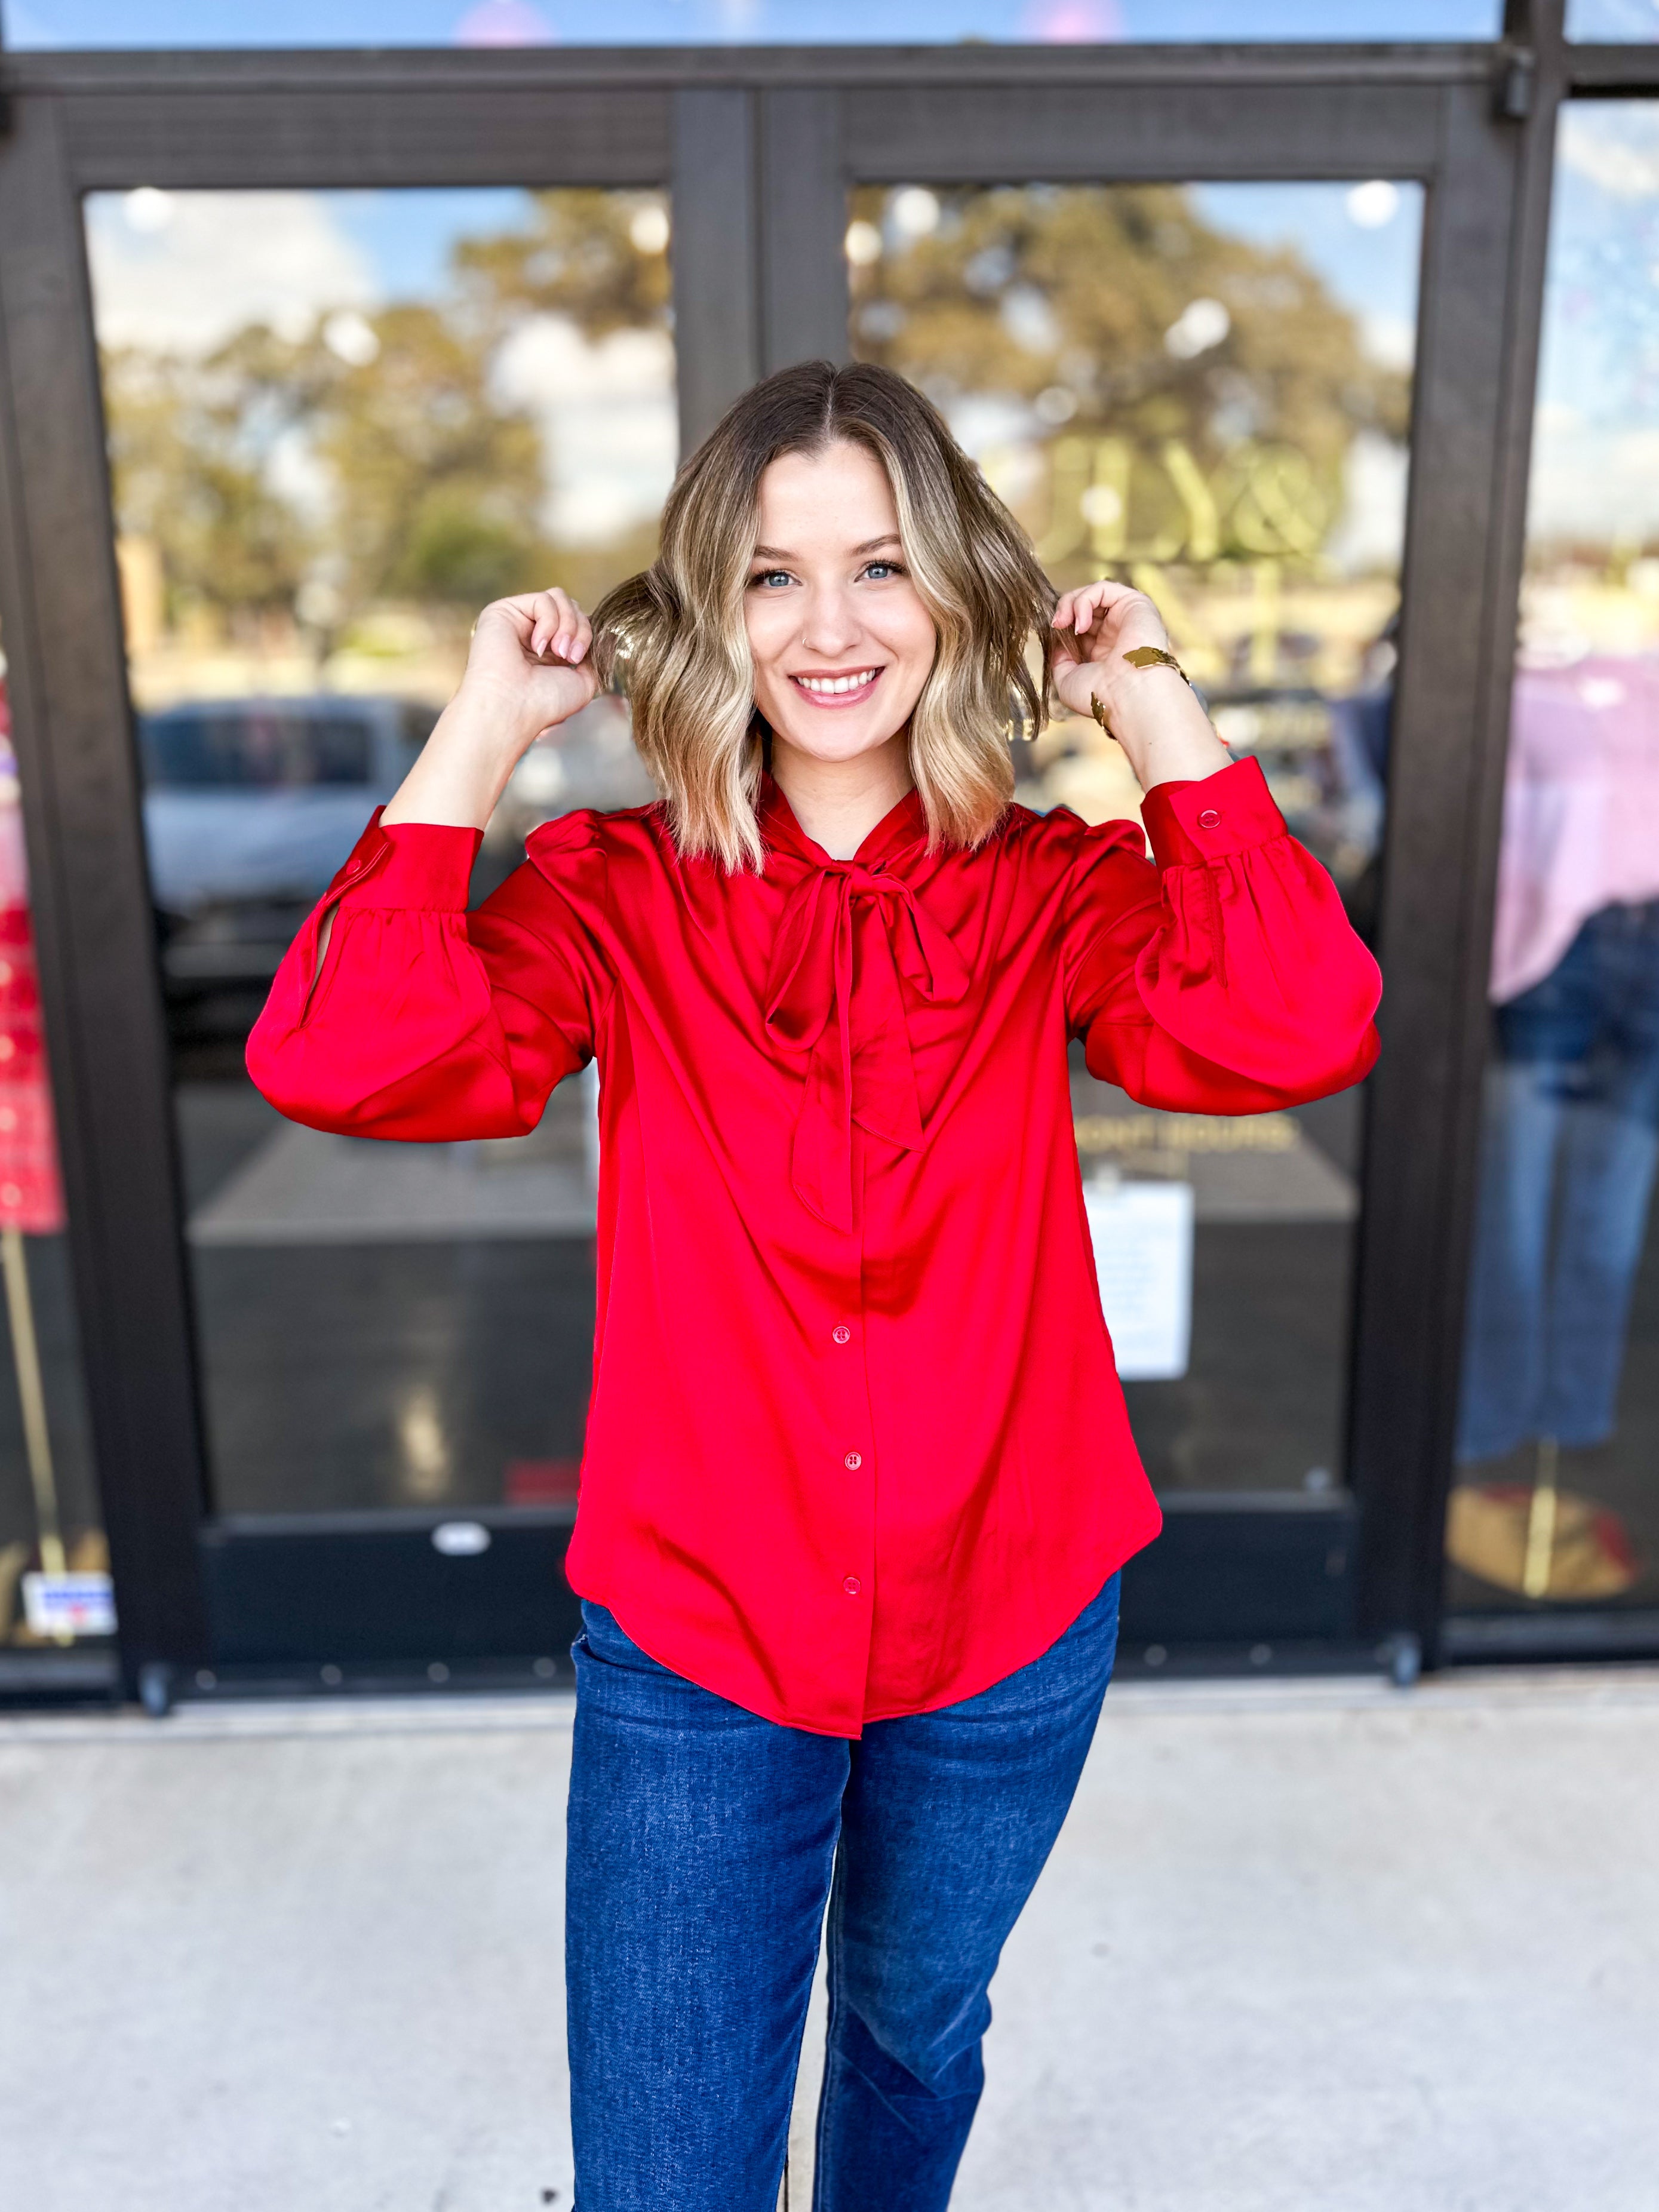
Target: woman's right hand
530	668
532	656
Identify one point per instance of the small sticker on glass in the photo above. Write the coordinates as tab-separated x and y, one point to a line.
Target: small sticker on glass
70	1605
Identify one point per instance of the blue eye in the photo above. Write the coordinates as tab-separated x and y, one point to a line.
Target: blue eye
880	571
771	577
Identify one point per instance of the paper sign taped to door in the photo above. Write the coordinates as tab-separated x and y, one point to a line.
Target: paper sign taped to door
70	1605
1143	1238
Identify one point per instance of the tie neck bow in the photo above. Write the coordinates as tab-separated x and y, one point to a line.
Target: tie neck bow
849	930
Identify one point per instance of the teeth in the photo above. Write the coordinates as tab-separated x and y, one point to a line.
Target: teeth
825	684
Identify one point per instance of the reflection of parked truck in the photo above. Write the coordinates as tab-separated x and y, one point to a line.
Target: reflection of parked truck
250	806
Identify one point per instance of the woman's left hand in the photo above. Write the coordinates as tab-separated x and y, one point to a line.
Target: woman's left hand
1151	711
1094	627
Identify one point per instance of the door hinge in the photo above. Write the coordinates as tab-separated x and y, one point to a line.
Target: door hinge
1514	83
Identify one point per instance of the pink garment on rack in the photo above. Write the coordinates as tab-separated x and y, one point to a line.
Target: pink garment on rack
1581	809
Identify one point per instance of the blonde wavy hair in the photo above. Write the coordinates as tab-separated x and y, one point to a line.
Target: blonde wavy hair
674	638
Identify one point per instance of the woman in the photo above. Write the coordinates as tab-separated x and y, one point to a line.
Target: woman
858	1480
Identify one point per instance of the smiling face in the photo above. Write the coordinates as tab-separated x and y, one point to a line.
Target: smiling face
840	639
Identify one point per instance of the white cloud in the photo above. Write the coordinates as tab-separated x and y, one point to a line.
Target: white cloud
1029	319
1373	205
220	260
1201	325
1371	532
1617	151
295	473
988	423
1391	341
607	413
1595	484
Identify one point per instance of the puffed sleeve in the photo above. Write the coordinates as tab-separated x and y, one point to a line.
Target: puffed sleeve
1222	977
422	1021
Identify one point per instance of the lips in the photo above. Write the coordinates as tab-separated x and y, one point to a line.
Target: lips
838	687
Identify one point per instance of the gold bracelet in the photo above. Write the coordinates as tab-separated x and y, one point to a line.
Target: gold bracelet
1154	656
1143	656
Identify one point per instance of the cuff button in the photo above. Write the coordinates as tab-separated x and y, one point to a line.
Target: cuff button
1209	819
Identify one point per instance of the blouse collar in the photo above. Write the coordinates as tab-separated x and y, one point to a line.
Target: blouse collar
901	826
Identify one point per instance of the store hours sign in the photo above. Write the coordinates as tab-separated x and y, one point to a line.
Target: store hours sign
1143	1240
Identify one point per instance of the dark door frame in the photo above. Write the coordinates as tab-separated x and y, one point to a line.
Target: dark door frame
760	146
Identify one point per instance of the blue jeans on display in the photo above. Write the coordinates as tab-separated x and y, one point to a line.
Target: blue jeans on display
1568	1153
703	1846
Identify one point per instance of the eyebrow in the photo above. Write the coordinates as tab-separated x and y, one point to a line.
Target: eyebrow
870	545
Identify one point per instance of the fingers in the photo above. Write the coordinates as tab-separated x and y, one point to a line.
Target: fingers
550	624
1078	609
558	627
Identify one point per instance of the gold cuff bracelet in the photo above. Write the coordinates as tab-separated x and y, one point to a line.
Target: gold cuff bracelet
1143	656
1154	656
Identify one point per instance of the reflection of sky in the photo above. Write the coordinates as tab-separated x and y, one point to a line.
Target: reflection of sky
1369	266
1615	19
1365	244
46	23
1596	468
404	238
1601	316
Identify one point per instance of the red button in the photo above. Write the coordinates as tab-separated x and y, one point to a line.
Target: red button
1209	819
852	1585
854	1460
842	1334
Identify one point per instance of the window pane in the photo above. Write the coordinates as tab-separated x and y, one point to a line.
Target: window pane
1204	390
54	1561
339	424
1557	1492
1619	21
63	23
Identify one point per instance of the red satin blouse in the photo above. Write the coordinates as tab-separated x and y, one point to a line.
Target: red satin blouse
856	1445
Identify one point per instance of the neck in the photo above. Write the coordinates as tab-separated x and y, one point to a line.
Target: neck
839	803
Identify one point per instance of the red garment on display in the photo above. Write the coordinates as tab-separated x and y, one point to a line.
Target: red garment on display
856	1445
31	1195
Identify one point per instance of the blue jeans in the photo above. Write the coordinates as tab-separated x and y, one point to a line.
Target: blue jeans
703	1846
1569	1148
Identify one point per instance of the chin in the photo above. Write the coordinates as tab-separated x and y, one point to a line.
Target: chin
824	745
833	738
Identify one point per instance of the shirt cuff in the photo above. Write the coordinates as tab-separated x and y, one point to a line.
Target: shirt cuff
426	866
1193	824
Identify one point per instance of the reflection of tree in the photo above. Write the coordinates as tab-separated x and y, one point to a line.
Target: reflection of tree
189	449
1203	391
439	483
582	256
376	459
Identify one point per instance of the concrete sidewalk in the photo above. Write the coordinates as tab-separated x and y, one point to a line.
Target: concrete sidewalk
1327	1946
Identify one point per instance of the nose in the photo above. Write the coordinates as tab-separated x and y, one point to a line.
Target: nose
829	625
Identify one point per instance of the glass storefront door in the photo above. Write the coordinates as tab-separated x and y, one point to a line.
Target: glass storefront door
338	423
1204	390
